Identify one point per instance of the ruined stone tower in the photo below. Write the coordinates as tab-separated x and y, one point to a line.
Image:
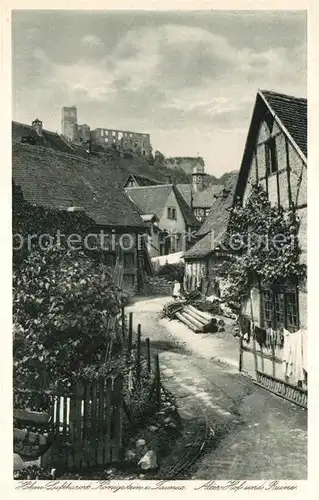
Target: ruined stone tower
69	122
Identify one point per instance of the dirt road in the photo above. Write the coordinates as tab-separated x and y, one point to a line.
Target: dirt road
264	437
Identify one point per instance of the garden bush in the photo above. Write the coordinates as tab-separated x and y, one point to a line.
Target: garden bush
61	304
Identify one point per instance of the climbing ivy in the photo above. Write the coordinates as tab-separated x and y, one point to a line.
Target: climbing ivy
260	246
62	300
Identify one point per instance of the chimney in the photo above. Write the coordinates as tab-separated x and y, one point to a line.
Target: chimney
37	126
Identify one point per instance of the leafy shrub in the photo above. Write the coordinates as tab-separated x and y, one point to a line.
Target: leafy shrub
61	304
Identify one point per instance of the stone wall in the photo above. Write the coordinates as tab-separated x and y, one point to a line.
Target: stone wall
158	286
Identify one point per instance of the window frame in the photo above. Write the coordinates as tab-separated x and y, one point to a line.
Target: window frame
280	307
172	213
271	158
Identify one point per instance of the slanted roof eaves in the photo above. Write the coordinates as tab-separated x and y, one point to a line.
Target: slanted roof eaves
58	180
218	217
206	198
189	217
292	112
150	199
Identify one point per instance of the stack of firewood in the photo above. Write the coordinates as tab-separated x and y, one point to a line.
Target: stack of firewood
199	321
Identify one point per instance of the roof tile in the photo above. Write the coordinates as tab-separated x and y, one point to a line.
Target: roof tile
58	180
292	112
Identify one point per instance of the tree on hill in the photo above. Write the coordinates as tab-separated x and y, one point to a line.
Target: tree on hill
159	159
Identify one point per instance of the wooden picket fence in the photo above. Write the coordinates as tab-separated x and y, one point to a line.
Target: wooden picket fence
85	425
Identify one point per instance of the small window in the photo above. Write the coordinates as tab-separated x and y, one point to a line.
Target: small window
171	213
280	308
271	156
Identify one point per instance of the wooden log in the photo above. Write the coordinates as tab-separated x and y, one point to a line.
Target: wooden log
206	316
187	323
193	320
199	327
195	315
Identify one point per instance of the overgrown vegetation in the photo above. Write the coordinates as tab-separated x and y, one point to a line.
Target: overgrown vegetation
62	299
61	305
261	246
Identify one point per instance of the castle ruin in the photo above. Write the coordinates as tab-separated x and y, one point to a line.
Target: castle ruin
135	142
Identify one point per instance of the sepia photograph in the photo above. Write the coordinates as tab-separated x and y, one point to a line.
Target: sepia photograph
159	245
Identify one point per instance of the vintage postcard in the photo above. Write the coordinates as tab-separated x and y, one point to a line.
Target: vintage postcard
159	247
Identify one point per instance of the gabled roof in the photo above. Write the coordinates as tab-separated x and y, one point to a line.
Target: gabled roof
153	199
149	217
189	217
199	199
142	181
290	114
58	180
216	222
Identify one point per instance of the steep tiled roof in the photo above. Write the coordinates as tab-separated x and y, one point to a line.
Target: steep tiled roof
143	181
186	191
218	215
292	112
58	180
152	199
202	248
216	223
189	217
201	199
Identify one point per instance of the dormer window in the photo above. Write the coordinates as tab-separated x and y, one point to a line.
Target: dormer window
271	156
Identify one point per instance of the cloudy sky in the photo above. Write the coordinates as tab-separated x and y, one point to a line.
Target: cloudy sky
189	79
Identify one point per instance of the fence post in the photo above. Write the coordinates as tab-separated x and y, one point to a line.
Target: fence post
130	331
240	353
157	382
148	354
117	418
123	322
273	359
138	354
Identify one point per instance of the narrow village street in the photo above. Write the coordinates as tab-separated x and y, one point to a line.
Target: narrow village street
159	245
263	436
